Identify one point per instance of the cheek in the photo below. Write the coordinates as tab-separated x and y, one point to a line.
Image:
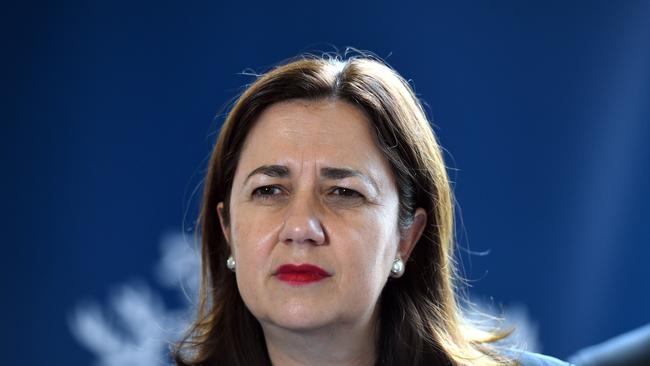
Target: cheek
367	252
253	237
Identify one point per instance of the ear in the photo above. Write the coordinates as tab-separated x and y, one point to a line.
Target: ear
412	234
224	228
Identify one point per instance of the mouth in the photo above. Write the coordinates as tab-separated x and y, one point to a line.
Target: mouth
302	274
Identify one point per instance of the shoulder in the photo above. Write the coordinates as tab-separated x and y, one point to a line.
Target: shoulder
535	359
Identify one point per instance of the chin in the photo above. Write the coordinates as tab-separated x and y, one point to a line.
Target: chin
300	315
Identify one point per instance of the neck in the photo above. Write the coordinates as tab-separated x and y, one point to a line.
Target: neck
339	345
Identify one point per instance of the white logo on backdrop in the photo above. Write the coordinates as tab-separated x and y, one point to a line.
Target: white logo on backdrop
136	327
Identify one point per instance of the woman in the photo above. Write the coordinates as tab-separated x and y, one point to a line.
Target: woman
327	229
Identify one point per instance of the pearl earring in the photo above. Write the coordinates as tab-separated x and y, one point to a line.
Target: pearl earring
398	268
230	263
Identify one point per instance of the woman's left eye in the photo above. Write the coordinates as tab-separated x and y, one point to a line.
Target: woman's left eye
346	192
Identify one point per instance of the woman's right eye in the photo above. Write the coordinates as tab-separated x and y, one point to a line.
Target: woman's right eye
265	192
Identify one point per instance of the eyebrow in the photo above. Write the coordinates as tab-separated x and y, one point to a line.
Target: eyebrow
281	171
275	171
341	173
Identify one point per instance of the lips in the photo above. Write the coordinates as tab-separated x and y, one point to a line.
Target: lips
301	274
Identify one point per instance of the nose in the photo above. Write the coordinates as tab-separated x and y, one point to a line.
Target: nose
302	224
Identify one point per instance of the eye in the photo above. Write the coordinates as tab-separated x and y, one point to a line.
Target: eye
346	193
266	192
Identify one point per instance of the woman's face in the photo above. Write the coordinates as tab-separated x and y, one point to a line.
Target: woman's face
312	189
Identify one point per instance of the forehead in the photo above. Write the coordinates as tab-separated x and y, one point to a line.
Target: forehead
327	132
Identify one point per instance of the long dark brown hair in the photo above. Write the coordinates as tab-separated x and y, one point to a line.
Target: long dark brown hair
420	318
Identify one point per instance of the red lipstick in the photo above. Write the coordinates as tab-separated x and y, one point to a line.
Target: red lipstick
302	274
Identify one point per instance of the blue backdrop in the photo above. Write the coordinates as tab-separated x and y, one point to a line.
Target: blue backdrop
109	112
